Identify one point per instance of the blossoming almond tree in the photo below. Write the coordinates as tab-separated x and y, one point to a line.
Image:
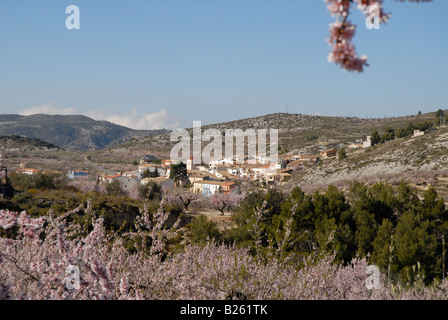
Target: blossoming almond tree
185	197
343	52
35	254
221	201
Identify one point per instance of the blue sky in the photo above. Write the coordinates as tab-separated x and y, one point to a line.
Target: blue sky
165	63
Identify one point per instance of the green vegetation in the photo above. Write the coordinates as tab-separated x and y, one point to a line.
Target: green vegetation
388	135
375	137
38	193
22	142
150	191
203	230
367	221
37	181
114	189
150	174
342	154
390	224
407	131
178	172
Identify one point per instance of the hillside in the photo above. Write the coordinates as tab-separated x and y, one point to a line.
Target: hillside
70	132
403	158
21	143
298	133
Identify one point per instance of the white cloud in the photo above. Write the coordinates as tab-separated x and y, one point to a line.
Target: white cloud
47	109
344	113
156	120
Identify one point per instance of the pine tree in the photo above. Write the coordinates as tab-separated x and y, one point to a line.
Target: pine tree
375	137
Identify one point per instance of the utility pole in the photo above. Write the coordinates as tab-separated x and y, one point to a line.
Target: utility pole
443	257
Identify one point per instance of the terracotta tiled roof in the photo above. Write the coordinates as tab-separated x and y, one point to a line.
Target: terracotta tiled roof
113	177
28	170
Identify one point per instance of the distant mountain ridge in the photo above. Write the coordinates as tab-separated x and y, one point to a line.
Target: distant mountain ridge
70	132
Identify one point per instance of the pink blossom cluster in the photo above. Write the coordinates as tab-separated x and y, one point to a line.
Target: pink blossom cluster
223	201
184	197
342	31
36	252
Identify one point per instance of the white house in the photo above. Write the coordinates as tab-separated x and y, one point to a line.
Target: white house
208	188
73	174
418	133
28	171
234	170
24	170
224	161
132	174
367	143
280	164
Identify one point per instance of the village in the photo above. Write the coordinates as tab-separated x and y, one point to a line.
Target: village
218	176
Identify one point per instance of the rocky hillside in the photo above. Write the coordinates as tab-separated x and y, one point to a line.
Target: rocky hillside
298	133
70	132
403	157
21	143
